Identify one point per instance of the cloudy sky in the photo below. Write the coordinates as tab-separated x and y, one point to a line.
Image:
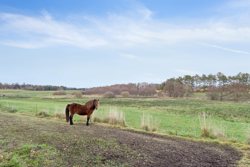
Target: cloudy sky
101	42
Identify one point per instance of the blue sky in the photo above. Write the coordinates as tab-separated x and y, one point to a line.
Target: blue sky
90	43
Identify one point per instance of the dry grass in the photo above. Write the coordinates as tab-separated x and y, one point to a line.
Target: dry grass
148	123
42	114
59	115
114	117
248	137
109	94
210	129
59	93
77	94
125	94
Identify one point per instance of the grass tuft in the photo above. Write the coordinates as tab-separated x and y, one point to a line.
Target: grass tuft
42	114
148	123
209	129
114	117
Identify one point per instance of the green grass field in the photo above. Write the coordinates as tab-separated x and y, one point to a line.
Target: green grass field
182	117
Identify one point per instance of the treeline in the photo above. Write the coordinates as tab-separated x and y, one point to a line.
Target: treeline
34	87
139	89
217	87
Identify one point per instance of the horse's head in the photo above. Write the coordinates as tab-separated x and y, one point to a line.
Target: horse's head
96	103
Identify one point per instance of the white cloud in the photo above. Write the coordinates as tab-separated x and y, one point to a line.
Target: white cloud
43	31
226	49
114	31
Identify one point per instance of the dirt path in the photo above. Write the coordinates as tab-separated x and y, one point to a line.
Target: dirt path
95	145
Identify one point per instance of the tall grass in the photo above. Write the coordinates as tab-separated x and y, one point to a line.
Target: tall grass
248	136
114	117
209	128
148	123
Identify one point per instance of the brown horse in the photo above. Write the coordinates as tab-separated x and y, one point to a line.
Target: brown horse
79	109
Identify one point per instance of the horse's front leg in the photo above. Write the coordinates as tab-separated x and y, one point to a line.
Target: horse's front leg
71	119
88	118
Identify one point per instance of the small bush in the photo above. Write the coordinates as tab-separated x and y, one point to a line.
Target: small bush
160	94
59	93
59	115
213	95
77	94
109	94
42	114
145	127
125	94
205	133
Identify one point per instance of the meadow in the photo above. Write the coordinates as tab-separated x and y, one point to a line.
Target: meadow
194	117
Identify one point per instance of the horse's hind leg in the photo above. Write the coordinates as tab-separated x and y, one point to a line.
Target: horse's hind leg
71	119
88	117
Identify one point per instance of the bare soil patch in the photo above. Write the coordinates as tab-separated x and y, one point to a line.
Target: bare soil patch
95	145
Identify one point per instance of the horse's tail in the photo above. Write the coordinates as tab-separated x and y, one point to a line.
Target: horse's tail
67	112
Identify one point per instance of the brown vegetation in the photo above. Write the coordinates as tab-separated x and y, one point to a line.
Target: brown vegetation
77	94
109	94
140	89
59	93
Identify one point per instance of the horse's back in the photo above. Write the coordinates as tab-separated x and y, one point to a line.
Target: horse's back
77	108
74	105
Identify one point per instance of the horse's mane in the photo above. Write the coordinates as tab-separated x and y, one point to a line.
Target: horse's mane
90	103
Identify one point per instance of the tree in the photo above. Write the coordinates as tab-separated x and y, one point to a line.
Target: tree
222	81
174	88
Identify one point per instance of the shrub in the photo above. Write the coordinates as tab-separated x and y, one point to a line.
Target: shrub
42	114
125	94
160	94
59	115
205	133
109	94
77	94
59	93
